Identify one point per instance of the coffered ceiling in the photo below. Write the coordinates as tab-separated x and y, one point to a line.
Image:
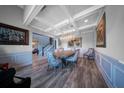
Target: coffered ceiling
62	19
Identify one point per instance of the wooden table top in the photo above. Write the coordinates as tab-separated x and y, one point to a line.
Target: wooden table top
59	53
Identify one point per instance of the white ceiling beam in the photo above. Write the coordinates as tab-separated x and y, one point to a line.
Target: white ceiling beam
84	16
63	7
82	28
65	22
88	11
30	13
87	26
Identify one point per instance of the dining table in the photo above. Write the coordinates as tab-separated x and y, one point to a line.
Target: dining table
63	54
59	53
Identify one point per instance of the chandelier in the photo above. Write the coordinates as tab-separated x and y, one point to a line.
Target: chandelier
67	37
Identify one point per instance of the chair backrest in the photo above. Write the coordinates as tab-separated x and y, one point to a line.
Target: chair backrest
91	52
75	56
52	61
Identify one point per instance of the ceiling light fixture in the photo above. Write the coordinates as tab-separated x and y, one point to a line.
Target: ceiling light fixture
86	20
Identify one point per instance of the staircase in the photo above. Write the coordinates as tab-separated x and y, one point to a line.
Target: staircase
48	48
40	50
43	50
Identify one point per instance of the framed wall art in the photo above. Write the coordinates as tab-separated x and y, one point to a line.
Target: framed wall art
101	32
77	42
11	35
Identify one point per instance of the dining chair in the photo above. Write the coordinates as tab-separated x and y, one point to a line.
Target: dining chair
72	59
90	54
53	62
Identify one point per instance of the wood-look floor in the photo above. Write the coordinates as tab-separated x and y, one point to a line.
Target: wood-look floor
84	75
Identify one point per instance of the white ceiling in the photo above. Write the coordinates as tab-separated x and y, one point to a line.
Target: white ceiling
52	14
91	19
74	9
61	19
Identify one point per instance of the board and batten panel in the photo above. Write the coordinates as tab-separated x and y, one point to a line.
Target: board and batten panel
17	60
111	69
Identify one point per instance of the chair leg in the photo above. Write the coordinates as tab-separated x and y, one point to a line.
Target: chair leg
62	65
76	64
48	68
55	70
71	65
67	64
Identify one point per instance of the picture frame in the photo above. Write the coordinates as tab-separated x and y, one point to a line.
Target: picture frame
101	32
11	35
77	42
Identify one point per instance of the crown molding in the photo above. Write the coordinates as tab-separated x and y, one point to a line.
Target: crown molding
30	13
80	28
88	11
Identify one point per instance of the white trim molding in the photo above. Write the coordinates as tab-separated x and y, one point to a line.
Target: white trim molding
88	11
30	12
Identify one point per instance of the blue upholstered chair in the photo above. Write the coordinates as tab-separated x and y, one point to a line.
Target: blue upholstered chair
52	61
90	54
72	59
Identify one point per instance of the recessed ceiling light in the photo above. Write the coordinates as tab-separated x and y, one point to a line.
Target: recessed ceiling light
86	20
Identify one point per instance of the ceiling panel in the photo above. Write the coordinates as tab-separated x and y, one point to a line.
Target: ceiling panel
52	19
39	24
52	31
90	20
52	14
66	27
74	9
